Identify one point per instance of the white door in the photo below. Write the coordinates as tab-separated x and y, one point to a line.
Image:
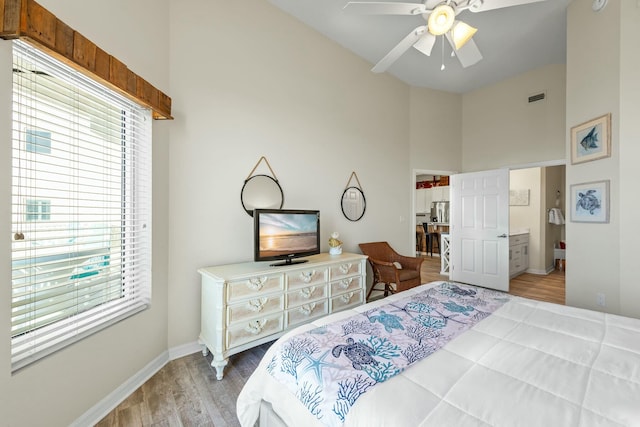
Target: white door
479	232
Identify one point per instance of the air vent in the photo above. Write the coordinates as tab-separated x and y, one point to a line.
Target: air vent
537	97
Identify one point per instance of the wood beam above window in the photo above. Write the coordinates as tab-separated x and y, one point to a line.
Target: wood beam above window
27	20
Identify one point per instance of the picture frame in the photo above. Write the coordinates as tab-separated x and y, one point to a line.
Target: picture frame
590	202
519	197
591	140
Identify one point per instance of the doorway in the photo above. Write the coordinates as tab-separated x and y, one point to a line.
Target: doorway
536	191
419	214
553	180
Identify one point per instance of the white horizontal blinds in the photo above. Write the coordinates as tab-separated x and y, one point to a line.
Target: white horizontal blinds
81	248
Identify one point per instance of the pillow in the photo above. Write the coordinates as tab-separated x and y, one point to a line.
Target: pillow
397	265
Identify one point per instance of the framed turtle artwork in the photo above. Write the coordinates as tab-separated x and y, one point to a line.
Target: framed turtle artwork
591	140
590	202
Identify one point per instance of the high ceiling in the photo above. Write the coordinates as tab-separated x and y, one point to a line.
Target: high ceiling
512	40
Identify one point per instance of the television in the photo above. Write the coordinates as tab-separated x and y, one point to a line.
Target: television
285	234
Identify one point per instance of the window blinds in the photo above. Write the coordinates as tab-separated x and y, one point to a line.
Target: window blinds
81	197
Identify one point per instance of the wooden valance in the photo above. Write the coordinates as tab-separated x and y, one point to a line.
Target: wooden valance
26	19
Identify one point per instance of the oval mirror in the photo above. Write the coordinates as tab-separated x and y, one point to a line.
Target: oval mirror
353	203
261	192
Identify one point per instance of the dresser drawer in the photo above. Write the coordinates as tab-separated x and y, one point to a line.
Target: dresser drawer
247	331
346	300
517	252
306	312
253	287
518	239
304	278
345	269
306	294
255	307
346	284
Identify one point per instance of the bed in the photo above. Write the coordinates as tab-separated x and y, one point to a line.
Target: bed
516	362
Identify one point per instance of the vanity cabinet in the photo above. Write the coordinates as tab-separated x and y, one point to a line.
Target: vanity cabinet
518	254
247	304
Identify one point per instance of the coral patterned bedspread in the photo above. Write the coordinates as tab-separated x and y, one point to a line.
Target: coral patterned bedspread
328	368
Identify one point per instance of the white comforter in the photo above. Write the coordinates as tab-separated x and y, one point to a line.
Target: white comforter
529	364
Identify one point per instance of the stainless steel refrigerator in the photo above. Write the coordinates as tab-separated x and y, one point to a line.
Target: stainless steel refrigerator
440	212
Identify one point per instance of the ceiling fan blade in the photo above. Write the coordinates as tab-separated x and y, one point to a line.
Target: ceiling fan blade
468	55
425	43
399	49
484	5
384	8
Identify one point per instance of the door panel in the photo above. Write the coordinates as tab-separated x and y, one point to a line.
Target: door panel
479	228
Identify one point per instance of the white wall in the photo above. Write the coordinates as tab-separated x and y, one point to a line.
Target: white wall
249	80
61	387
603	257
593	89
500	128
435	130
629	155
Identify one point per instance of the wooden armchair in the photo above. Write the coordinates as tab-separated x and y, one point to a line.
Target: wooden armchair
390	267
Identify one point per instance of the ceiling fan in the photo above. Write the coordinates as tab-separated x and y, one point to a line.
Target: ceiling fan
441	20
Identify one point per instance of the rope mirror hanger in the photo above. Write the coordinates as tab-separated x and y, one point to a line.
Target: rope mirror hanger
261	191
353	202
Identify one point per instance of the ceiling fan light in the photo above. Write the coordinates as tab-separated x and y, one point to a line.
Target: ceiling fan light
441	19
462	33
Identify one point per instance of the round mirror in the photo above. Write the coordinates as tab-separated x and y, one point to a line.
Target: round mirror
261	192
353	203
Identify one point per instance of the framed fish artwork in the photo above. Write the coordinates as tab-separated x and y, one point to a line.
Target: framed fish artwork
590	202
591	140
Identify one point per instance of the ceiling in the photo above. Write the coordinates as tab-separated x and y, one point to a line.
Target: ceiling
512	40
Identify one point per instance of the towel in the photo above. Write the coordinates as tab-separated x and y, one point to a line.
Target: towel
555	216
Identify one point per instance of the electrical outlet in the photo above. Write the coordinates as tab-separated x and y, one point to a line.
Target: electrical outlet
600	299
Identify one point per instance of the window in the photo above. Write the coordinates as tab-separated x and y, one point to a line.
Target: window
38	210
81	249
38	141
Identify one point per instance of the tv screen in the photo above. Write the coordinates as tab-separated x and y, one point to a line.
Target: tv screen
285	234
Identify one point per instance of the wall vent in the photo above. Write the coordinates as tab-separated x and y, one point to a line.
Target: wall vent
537	97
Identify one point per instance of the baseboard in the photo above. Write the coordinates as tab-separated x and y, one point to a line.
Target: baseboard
184	350
106	405
537	271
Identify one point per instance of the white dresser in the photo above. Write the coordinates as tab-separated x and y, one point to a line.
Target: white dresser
247	304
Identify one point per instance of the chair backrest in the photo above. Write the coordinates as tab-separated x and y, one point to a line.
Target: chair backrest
378	250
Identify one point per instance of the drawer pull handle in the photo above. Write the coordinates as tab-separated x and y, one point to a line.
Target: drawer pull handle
256	283
344	268
307	309
307	292
306	276
256	305
345	283
346	297
255	327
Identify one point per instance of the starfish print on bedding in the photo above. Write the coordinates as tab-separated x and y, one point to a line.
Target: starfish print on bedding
316	365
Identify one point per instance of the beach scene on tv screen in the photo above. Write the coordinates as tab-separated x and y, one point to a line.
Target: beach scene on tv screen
283	234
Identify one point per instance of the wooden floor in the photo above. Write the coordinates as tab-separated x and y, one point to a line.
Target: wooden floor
185	391
535	286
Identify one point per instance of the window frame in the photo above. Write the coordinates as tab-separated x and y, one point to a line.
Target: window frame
134	217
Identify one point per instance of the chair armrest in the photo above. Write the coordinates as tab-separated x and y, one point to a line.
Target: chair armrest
381	263
412	263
